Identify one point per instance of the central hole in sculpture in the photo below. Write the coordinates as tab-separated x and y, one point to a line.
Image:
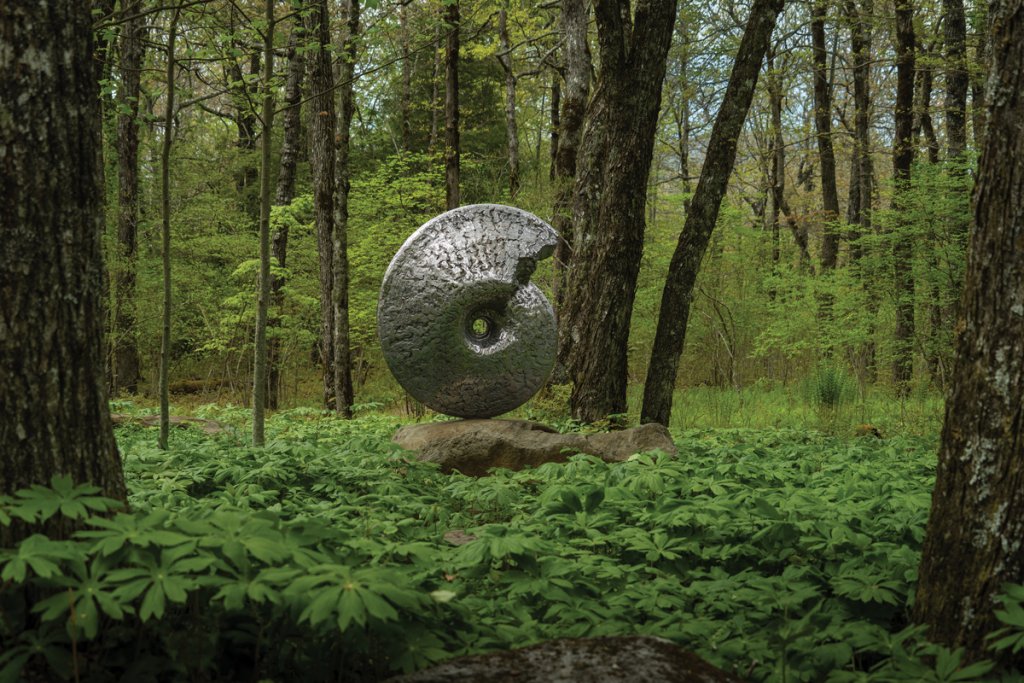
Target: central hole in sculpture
480	328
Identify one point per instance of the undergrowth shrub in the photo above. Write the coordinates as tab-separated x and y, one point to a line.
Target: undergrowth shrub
780	555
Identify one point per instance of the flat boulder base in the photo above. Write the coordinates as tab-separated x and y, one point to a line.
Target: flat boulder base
626	659
474	446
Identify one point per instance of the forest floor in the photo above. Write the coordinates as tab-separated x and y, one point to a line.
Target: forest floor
780	554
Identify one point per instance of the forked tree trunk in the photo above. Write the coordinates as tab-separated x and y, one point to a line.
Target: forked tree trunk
343	393
700	220
973	545
451	107
609	202
322	123
55	417
127	367
903	159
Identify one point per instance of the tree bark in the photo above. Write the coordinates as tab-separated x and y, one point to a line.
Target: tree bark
556	110
576	55
700	221
923	126
978	75
903	159
973	544
451	107
609	202
259	384
511	127
343	392
823	128
126	364
55	417
283	196
165	236
322	122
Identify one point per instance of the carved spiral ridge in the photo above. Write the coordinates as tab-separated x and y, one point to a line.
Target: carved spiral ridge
462	327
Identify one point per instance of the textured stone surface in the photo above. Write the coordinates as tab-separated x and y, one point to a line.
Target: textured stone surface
626	659
474	446
470	264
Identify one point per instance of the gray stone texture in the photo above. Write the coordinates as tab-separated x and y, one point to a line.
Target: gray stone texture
469	264
622	659
474	446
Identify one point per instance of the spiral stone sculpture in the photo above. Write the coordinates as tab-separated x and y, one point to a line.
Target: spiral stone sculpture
462	327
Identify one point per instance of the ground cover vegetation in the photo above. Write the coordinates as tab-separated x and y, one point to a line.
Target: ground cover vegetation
783	555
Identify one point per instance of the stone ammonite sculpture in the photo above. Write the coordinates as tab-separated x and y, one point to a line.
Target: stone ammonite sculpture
462	327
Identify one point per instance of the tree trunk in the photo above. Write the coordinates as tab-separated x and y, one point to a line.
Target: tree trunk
321	162
823	128
903	158
955	38
127	368
259	384
511	127
451	107
609	202
923	127
973	543
283	196
55	417
343	393
165	236
576	55
242	97
979	74
700	221
405	101
776	174
556	107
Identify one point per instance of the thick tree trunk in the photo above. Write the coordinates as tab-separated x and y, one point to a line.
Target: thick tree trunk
322	122
165	236
451	107
126	364
576	56
55	417
700	221
511	127
979	74
974	540
343	393
259	384
823	129
283	196
955	38
610	195
903	159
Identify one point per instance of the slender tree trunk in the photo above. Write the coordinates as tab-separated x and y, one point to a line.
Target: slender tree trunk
242	96
823	128
511	127
435	91
979	74
903	159
923	127
127	367
777	168
556	107
405	102
860	213
451	107
343	393
165	236
283	196
700	221
955	38
55	417
259	384
609	202
576	54
322	122
973	545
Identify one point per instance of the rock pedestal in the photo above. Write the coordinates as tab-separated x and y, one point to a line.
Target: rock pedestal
474	446
627	659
